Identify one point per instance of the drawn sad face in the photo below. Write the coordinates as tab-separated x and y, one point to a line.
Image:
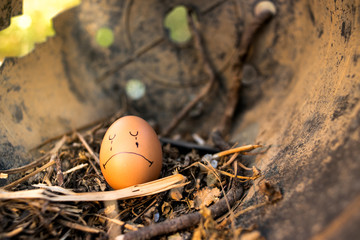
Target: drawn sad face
130	153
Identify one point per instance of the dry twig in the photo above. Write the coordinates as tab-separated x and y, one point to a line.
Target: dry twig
199	44
89	149
248	35
23	179
49	192
185	221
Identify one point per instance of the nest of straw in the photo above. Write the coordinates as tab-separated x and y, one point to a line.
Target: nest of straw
62	194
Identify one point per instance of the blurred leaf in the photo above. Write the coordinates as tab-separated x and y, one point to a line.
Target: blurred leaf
34	26
177	25
105	37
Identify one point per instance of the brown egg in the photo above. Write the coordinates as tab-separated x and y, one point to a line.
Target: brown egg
130	153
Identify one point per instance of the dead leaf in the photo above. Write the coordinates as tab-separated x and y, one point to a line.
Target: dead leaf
254	235
166	209
206	196
271	191
175	194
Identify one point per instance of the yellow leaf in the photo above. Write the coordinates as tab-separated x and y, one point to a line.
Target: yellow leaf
34	26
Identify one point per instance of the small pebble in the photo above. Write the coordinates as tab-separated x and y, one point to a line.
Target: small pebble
156	217
214	163
263	7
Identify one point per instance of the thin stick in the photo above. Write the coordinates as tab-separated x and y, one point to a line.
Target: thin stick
89	149
185	221
111	210
141	190
118	222
27	166
78	167
244	167
233	157
79	227
247	38
206	89
147	208
14	232
138	53
253	207
237	176
59	173
187	108
236	150
38	161
15	183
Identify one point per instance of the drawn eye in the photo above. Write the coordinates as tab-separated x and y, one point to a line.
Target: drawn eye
134	135
112	137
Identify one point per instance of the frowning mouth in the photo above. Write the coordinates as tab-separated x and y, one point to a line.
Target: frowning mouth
150	162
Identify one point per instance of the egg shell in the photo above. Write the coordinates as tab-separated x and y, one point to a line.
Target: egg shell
130	153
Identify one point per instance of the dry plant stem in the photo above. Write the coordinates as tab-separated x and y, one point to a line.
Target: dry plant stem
40	160
118	222
187	108
138	53
246	41
185	221
12	233
89	149
239	177
59	194
244	167
253	207
27	166
111	211
59	173
231	160
79	227
83	127
236	150
78	167
15	183
199	45
142	213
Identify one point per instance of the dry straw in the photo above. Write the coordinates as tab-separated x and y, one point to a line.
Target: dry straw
59	194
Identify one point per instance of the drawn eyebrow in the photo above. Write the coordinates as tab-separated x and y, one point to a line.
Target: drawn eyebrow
134	135
111	138
151	162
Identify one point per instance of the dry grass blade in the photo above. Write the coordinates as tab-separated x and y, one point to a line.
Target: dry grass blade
118	222
26	167
186	220
88	148
236	150
35	193
239	177
78	167
140	190
253	207
37	162
15	183
80	227
13	233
